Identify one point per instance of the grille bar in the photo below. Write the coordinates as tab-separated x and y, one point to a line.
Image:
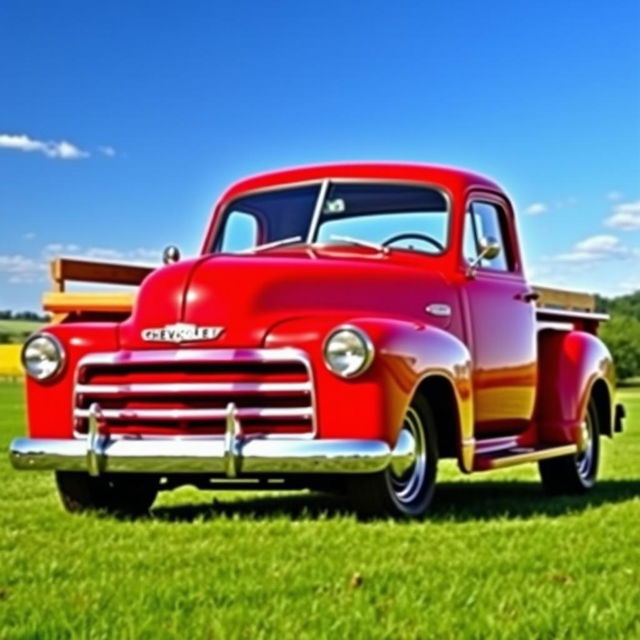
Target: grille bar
304	413
166	356
184	391
193	388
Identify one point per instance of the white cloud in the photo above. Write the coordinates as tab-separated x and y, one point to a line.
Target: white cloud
30	235
596	249
146	255
21	269
139	255
571	201
62	150
536	208
107	150
55	249
614	195
599	244
625	216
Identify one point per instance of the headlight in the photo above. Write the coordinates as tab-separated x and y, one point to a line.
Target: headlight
348	351
42	356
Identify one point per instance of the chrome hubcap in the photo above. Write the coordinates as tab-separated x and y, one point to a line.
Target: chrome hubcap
584	460
408	468
404	454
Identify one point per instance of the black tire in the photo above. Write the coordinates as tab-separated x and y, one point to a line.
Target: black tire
575	474
119	494
407	494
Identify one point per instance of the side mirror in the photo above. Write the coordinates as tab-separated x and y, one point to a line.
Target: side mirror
489	249
170	254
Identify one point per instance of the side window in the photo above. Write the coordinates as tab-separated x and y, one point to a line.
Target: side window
486	220
240	232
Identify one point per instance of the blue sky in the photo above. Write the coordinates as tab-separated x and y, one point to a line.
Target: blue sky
121	122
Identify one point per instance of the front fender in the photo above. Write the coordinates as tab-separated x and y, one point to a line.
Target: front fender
50	402
374	404
570	365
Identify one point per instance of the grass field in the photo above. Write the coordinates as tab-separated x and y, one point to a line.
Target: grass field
497	559
18	330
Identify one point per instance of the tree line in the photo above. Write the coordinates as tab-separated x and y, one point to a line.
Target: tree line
622	333
7	314
12	331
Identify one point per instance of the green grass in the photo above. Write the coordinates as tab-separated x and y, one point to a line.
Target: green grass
18	330
497	559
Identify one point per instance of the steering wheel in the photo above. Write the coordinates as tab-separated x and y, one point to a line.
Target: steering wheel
416	236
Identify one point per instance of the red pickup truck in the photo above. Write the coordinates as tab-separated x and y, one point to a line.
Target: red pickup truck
345	327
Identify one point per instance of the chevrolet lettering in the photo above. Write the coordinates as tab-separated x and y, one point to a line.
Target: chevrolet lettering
181	333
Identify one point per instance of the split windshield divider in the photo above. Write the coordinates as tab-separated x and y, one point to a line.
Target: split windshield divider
317	212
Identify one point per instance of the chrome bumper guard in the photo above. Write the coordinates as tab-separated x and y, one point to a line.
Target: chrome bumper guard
232	456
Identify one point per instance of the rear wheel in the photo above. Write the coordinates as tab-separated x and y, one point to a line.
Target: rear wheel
575	473
405	489
122	494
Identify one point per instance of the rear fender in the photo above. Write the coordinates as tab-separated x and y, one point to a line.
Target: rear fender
573	366
373	405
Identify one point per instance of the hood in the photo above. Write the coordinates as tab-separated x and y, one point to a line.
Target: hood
245	295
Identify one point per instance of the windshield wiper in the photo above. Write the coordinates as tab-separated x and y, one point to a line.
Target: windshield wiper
271	245
361	243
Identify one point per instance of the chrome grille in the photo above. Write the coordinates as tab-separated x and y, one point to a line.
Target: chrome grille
187	391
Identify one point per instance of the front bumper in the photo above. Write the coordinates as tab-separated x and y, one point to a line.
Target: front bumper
209	456
232	455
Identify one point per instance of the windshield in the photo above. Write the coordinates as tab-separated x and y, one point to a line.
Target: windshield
395	215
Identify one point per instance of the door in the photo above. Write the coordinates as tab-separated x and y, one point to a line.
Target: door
500	322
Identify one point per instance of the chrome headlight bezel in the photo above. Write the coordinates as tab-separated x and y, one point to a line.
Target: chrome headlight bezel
57	362
362	340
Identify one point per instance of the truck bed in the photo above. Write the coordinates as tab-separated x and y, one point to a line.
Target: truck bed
105	305
562	308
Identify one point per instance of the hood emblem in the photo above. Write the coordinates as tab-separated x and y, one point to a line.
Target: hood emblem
181	332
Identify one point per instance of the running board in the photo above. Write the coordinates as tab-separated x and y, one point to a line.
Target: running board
520	455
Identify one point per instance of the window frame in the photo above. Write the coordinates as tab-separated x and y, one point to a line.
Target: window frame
324	184
506	221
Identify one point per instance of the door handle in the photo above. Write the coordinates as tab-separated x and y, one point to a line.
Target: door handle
528	296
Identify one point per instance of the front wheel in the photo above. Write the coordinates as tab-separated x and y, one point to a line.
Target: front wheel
405	489
124	494
577	473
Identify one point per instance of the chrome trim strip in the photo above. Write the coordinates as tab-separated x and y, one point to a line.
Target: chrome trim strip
170	455
193	388
198	414
167	356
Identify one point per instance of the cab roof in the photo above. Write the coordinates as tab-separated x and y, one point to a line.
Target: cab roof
455	180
